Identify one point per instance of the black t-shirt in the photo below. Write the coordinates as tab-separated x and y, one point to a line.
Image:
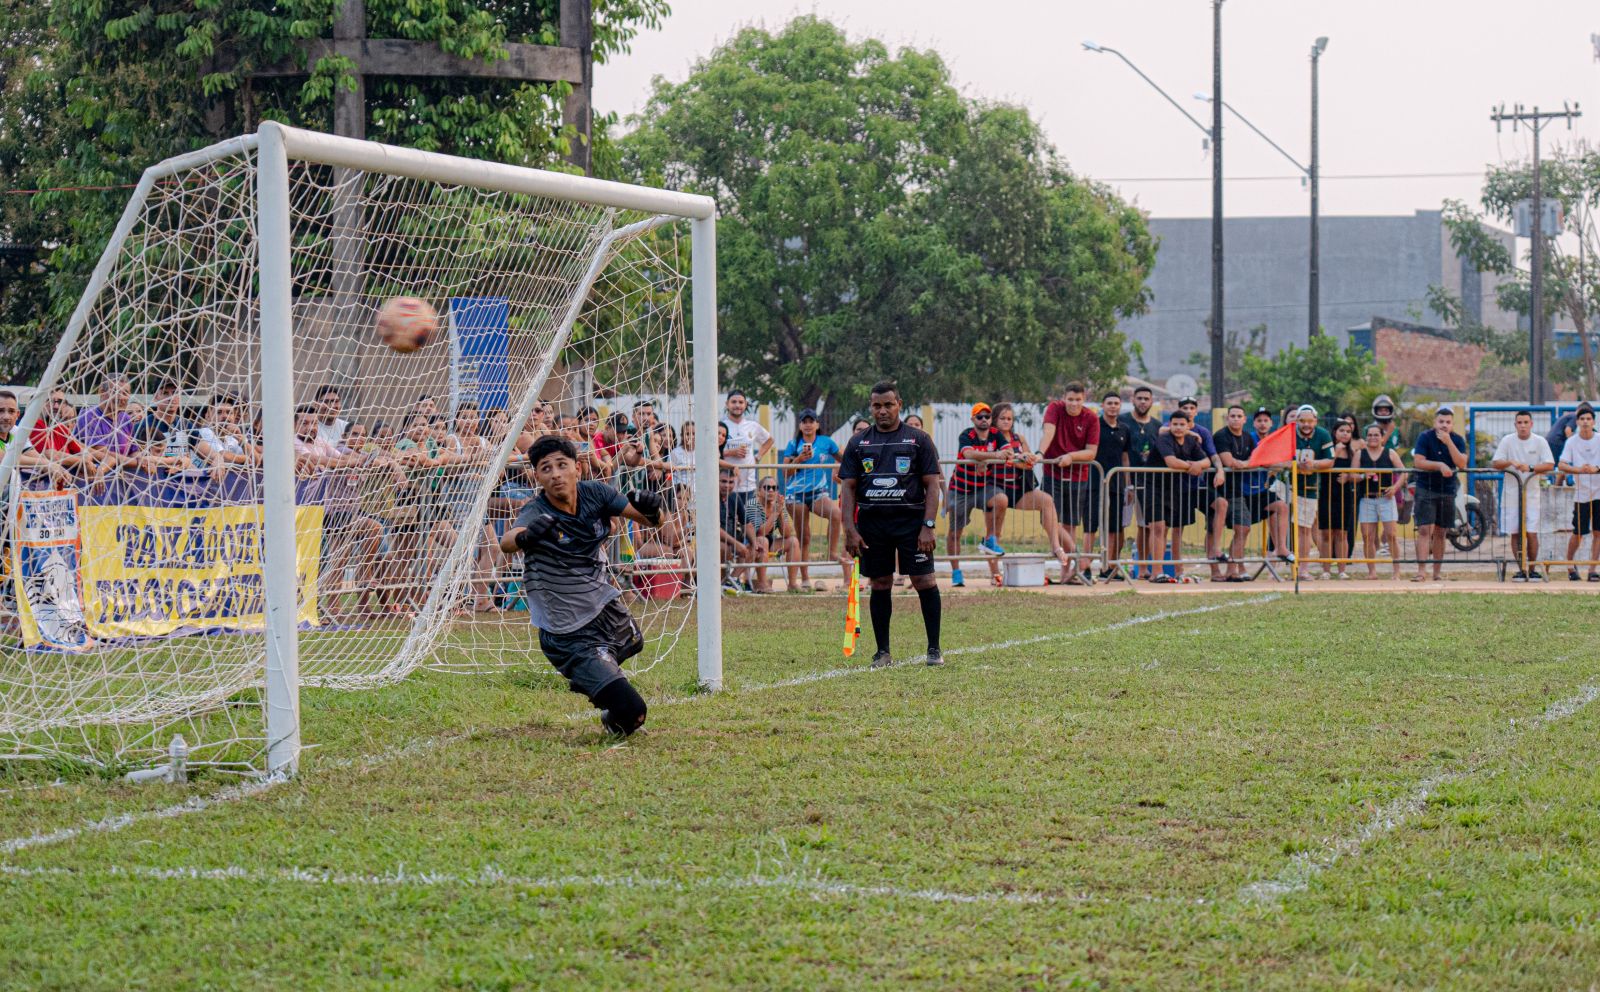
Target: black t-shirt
1115	440
565	576
1240	448
888	467
1142	450
1191	450
1430	447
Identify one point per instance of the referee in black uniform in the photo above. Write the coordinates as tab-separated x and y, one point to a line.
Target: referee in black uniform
889	499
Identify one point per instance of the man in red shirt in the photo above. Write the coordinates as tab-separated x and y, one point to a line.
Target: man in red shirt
52	436
971	487
1071	438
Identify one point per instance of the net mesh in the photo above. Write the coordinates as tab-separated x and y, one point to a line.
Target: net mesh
136	609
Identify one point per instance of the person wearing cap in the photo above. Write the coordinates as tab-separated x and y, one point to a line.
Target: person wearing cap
1313	450
1071	439
811	491
971	487
1439	454
1580	458
1526	455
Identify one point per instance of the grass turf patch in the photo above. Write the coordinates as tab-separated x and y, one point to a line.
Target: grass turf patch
1134	780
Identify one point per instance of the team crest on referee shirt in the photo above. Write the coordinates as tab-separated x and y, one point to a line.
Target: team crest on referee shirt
867	463
902	464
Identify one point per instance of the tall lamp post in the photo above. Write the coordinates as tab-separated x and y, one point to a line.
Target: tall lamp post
1317	49
1214	139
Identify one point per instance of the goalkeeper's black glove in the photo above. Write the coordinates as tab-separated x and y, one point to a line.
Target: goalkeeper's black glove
538	530
647	503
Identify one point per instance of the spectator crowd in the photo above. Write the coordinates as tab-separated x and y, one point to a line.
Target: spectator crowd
1115	489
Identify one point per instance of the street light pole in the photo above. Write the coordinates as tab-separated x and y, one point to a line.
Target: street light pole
1315	302
1219	391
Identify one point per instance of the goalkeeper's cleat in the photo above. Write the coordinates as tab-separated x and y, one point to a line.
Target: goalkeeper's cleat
991	546
882	660
935	657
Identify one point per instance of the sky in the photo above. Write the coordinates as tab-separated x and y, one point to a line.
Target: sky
1406	88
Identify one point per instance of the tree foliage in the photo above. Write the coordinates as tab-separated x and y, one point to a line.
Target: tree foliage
1319	374
874	221
93	91
1570	176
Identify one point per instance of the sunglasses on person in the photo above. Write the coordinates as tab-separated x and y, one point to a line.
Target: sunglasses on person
982	416
769	488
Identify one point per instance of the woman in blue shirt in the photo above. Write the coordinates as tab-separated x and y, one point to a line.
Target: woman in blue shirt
812	490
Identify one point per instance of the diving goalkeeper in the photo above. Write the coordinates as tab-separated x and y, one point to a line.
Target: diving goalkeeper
583	628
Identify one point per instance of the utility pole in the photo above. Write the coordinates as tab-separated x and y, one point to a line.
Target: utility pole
1535	120
1315	301
1219	391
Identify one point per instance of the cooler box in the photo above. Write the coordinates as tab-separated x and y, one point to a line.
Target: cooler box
658	585
1022	571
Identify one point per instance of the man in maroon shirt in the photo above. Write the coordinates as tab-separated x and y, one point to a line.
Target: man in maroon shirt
1071	438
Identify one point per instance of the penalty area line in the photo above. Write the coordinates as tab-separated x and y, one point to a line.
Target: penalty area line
490	877
1297	874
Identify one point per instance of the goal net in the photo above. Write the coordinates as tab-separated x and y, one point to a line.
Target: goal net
228	487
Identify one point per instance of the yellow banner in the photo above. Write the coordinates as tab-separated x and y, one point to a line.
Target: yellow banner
151	571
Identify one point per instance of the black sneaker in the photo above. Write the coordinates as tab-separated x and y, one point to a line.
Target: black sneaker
1572	575
1519	576
1534	575
882	660
935	657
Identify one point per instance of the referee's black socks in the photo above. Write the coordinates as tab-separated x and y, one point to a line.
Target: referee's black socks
881	603
932	611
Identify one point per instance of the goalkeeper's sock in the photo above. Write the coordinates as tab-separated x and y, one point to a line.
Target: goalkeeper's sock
882	606
932	613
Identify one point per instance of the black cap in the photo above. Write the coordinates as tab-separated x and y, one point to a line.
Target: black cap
808	414
1259	411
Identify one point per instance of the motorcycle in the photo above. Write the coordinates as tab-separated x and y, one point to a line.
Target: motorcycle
1471	525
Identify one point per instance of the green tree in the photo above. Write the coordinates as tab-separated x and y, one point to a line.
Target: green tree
873	221
93	91
1570	176
1319	374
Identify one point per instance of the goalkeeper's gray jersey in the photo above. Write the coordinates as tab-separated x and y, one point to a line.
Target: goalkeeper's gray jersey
564	576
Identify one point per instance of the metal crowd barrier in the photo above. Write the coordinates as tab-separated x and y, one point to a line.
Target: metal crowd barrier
1183	522
1545	507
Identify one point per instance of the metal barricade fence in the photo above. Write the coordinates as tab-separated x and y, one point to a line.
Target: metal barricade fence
1555	515
1167	525
1401	518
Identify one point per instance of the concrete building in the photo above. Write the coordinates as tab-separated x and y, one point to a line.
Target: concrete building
1370	266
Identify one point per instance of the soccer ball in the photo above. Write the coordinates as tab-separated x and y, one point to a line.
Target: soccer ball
406	323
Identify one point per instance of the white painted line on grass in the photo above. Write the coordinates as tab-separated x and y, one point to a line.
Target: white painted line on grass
197	804
835	673
1296	876
494	878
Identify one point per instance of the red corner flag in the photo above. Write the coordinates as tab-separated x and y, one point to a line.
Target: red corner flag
1275	447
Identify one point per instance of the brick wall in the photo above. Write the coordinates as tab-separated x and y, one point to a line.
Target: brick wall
1426	361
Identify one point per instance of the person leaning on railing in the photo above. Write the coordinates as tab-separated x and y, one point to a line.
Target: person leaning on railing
1439	454
1375	502
27	459
1580	458
1525	455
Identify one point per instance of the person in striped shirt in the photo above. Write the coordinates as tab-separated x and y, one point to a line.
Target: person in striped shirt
972	487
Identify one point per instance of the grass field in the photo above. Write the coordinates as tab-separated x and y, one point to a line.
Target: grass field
1212	792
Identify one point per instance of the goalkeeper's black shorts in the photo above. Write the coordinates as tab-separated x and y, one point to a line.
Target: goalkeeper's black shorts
590	658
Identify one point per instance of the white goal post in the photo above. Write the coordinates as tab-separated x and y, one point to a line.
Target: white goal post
268	180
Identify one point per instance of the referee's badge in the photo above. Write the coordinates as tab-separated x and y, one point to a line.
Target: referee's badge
867	463
902	464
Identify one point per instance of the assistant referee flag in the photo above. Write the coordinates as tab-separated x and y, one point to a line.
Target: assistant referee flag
1275	448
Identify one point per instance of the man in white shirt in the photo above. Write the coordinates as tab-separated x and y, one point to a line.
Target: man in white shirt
1580	458
1525	455
330	429
748	443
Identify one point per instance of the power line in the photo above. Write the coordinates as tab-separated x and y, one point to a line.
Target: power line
1263	179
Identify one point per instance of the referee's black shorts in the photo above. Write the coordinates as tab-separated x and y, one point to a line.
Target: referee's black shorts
889	534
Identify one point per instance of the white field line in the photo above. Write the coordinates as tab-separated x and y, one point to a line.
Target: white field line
494	878
1297	874
835	673
198	804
